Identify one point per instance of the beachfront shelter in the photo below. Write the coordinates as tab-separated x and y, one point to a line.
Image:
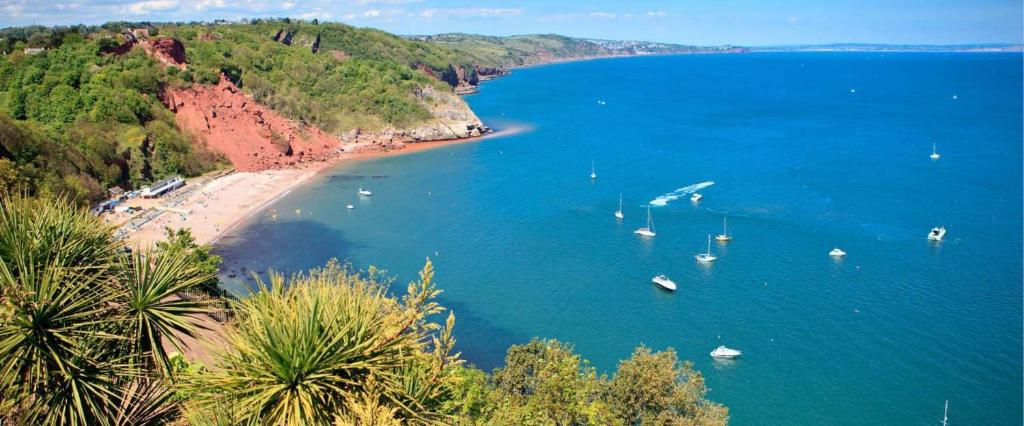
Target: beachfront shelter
162	187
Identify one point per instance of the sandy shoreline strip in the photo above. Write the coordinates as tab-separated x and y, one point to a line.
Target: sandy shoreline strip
215	205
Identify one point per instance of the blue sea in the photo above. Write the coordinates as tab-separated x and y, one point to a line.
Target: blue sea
802	152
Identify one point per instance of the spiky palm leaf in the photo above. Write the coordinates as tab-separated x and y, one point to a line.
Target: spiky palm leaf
301	352
155	312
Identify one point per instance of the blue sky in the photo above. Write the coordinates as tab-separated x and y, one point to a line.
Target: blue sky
708	22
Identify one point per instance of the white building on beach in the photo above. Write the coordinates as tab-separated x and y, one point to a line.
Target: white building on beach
162	187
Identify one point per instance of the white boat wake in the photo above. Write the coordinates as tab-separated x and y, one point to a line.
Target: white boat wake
664	199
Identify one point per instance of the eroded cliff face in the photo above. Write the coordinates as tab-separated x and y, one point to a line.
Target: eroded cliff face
451	119
251	136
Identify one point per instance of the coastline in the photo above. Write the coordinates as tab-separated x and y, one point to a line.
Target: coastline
217	204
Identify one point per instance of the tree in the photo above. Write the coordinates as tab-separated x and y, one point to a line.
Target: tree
328	347
198	256
81	323
655	388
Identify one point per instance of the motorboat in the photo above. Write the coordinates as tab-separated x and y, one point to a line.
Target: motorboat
706	257
723	352
836	252
364	192
647	231
664	282
349	206
937	234
696	197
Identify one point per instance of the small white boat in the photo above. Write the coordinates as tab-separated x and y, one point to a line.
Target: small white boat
945	414
724	237
349	206
647	231
725	353
935	154
593	171
706	257
836	252
696	197
664	282
618	213
364	192
937	234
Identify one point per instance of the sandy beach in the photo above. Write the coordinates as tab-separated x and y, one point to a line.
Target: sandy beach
214	204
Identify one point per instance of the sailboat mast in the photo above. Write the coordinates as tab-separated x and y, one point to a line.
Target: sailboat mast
709	244
725	227
945	414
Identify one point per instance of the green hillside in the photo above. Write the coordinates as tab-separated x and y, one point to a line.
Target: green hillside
490	51
76	119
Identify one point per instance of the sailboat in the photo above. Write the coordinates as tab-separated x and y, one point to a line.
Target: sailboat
724	237
706	257
935	154
593	171
618	213
945	414
647	231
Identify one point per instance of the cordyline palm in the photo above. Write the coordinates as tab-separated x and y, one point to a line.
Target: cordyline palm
78	318
328	347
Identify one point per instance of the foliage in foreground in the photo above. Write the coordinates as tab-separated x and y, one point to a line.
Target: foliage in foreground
83	325
545	383
329	347
85	329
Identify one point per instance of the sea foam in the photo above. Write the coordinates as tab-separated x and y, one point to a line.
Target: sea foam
664	199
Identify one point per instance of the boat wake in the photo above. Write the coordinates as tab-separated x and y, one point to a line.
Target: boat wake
664	199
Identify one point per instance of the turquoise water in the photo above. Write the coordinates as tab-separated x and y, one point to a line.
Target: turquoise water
807	151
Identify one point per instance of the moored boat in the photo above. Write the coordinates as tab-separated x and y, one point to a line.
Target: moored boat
647	231
723	352
724	237
706	257
364	192
836	252
937	233
664	282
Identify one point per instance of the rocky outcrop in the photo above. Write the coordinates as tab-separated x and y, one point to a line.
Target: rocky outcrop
461	79
488	73
451	119
248	134
170	51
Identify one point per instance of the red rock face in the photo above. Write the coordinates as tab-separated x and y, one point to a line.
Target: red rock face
249	135
167	50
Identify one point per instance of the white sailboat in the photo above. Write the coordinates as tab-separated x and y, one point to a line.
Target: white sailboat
593	171
935	154
618	213
706	257
724	237
647	231
664	282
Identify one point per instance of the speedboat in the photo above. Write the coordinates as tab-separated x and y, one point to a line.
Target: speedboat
696	197
664	282
349	206
725	353
937	233
836	252
647	231
364	192
706	257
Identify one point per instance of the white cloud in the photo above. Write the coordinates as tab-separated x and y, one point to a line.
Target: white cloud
145	7
475	12
206	4
372	13
602	15
656	13
348	17
392	2
793	19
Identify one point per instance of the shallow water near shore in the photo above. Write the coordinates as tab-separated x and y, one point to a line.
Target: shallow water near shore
806	152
